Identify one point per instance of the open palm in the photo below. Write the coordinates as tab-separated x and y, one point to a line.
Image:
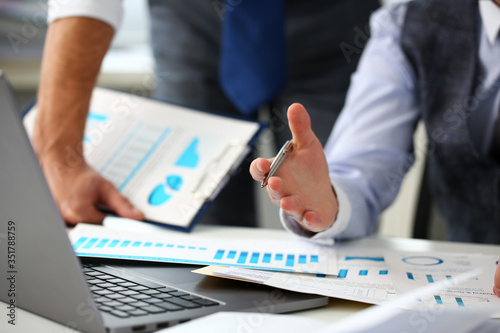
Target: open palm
302	186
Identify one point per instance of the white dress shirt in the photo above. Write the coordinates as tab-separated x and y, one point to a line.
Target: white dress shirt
109	11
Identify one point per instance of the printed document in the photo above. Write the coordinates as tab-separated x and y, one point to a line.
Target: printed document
281	255
168	160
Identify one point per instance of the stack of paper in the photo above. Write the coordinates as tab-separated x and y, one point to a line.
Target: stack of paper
379	277
366	275
381	319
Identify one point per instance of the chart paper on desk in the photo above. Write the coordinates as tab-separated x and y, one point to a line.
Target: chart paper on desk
410	271
363	276
287	256
389	317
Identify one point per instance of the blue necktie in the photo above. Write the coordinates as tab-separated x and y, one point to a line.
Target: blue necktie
253	61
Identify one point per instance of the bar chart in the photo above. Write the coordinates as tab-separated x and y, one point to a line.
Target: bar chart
287	256
448	299
429	277
362	276
361	272
363	266
458	300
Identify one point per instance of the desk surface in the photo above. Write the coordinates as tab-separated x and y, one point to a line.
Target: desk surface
336	310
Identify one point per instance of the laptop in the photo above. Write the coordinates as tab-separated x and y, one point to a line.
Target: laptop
45	277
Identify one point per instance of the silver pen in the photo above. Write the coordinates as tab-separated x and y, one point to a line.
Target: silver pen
278	160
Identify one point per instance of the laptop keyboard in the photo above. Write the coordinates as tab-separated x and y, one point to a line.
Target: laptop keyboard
132	296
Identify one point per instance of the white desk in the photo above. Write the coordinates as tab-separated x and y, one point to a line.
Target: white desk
336	310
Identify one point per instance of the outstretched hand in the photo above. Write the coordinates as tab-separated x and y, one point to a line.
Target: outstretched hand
496	286
302	186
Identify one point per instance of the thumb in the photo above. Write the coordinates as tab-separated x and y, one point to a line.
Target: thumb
300	125
118	203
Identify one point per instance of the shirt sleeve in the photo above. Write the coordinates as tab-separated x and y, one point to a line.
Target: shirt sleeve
371	146
109	11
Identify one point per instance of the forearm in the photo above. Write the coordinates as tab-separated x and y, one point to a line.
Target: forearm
73	53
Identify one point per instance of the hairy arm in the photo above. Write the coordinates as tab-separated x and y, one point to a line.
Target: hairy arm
73	53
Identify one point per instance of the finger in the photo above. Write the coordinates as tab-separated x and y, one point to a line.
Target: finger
308	219
292	206
496	287
74	214
110	196
300	125
312	221
277	184
276	189
259	168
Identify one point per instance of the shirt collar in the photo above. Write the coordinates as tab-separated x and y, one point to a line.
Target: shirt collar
490	15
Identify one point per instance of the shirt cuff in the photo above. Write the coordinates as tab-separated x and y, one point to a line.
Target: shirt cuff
109	11
338	226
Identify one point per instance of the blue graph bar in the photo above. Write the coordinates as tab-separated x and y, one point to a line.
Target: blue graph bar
254	258
219	254
449	278
302	259
410	276
192	247
278	257
136	244
180	246
89	244
321	275
243	258
267	258
459	301
363	272
429	278
383	272
170	245
102	243
125	243
342	273
202	248
314	258
148	244
438	299
96	116
114	243
290	260
79	242
158	245
231	255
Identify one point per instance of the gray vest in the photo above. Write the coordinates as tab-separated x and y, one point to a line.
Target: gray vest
441	39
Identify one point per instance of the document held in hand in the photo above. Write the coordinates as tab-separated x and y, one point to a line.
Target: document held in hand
169	161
